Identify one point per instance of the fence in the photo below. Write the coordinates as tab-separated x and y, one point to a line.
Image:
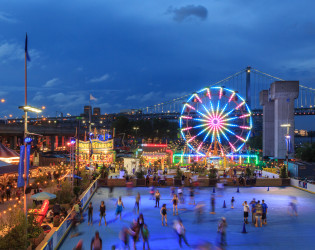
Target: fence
303	185
56	239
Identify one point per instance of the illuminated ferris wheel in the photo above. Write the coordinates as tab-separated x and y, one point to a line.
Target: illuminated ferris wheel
215	121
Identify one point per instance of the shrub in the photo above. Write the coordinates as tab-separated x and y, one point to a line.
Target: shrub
283	172
213	173
179	173
140	174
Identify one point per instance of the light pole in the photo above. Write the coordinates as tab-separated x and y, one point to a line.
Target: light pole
26	133
287	139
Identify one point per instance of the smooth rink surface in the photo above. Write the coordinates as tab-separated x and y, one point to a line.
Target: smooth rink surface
282	231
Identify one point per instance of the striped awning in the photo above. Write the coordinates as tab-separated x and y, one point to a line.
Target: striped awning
6	152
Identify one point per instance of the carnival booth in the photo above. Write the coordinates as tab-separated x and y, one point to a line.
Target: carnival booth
152	153
96	151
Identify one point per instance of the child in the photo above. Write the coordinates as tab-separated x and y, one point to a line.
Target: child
90	214
157	198
246	211
120	206
163	212
102	212
232	202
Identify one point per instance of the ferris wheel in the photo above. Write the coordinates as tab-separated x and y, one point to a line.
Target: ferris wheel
215	121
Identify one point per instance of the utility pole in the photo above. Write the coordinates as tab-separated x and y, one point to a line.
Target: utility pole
248	95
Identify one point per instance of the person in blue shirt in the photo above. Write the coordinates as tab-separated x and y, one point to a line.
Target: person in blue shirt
264	214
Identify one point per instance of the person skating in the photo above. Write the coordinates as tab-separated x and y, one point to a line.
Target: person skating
212	204
180	230
152	192
192	195
264	212
157	198
137	203
103	212
175	204
74	221
232	202
96	242
258	214
124	236
119	208
253	204
135	229
180	194
140	222
222	231
90	214
145	236
163	213
246	211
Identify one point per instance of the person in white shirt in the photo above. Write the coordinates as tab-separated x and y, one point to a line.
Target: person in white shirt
246	211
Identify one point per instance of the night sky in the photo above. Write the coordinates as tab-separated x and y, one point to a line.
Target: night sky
130	54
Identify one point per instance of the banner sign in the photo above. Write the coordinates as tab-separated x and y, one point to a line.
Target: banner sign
20	182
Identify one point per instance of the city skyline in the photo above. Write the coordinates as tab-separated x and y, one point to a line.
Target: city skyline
145	52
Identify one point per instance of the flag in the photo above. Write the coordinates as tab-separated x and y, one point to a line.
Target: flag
92	98
26	51
20	181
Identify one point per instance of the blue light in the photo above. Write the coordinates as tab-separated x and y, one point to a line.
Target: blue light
28	140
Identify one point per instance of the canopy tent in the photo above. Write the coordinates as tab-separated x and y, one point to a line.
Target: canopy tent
43	196
8	155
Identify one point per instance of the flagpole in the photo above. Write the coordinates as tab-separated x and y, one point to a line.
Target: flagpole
25	132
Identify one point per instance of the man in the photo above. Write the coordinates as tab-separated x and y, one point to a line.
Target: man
96	242
253	204
180	230
264	212
258	215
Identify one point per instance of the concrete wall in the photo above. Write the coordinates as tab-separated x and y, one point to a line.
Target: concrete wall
268	123
283	93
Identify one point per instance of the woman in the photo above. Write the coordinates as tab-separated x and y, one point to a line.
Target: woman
163	213
120	206
90	214
175	202
157	198
137	203
103	212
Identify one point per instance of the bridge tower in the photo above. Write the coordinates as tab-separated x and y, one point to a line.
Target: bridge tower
248	98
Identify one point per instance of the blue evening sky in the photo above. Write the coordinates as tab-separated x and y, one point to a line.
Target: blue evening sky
130	54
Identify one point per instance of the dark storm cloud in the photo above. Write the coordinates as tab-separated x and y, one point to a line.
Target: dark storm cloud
188	11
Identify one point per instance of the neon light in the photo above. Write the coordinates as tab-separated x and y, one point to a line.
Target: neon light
213	118
154	145
231	96
185	117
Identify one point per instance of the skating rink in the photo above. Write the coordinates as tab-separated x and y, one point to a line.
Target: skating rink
282	231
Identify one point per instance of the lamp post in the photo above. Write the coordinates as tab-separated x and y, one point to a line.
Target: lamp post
26	133
287	139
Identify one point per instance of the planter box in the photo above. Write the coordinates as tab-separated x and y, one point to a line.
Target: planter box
140	182
177	182
116	182
212	182
36	241
102	182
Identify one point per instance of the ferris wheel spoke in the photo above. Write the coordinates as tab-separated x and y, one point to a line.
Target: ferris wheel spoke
202	114
218	106
222	111
229	130
221	130
233	94
205	138
210	115
198	98
230	124
241	138
203	130
209	93
230	119
200	120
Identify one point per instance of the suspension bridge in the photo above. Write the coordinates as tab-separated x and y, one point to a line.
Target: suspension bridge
249	82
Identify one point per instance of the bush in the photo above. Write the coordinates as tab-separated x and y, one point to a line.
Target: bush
213	173
140	174
283	172
65	195
248	172
179	173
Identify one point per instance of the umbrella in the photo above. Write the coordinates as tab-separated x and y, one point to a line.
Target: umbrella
43	196
75	176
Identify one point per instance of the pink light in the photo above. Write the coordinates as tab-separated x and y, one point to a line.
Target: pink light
232	146
186	117
245	127
240	105
190	106
154	145
216	122
199	146
231	96
184	129
198	98
240	138
221	92
244	116
191	138
209	94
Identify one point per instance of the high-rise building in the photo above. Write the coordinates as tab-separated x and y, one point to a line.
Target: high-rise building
97	111
87	110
